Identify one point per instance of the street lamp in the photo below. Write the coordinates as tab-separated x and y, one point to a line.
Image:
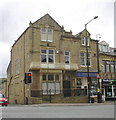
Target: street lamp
98	36
87	60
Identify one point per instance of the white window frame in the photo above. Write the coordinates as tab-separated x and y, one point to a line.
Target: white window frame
48	54
67	56
88	40
82	57
53	84
112	68
85	61
89	57
45	36
83	40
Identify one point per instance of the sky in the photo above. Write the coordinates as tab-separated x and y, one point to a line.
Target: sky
15	16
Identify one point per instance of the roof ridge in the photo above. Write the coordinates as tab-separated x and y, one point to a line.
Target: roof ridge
44	16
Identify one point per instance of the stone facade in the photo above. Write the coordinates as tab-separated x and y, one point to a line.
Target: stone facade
56	58
107	66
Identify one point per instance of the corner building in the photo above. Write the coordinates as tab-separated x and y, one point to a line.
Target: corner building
57	60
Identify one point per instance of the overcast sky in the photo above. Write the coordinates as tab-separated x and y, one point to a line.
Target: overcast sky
15	16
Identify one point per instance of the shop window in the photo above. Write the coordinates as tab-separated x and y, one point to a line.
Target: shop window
44	88
44	77
79	82
56	77
57	87
51	88
50	84
50	77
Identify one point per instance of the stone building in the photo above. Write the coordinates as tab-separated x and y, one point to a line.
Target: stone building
107	60
3	86
57	60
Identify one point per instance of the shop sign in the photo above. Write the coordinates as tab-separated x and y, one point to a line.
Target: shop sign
85	74
108	82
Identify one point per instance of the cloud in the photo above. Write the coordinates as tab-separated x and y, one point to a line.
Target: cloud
15	16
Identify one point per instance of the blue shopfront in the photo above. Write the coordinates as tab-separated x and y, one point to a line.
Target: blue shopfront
82	79
85	74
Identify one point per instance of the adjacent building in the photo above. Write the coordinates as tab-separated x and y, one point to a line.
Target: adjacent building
3	86
107	59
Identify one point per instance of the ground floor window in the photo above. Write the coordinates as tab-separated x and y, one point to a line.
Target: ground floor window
51	84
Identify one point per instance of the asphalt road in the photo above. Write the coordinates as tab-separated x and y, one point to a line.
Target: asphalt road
75	111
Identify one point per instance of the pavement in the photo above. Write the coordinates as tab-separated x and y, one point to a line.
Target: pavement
66	104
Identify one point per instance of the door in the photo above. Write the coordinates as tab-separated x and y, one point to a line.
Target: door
67	88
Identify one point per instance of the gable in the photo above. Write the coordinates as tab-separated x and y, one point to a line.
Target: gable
82	33
45	21
103	43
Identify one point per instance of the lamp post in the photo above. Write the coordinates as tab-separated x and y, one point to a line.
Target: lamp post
98	35
87	60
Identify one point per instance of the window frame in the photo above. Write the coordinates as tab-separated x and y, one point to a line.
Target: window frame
82	57
85	59
56	84
45	35
83	40
48	56
67	56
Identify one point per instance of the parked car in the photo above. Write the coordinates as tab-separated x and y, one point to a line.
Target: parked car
3	100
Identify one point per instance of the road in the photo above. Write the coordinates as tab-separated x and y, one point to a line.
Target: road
75	111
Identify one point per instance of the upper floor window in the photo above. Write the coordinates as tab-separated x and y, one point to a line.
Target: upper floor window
88	62
87	41
108	66
47	56
84	41
104	48
67	57
82	58
46	34
112	67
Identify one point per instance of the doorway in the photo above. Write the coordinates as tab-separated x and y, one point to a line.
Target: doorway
67	88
